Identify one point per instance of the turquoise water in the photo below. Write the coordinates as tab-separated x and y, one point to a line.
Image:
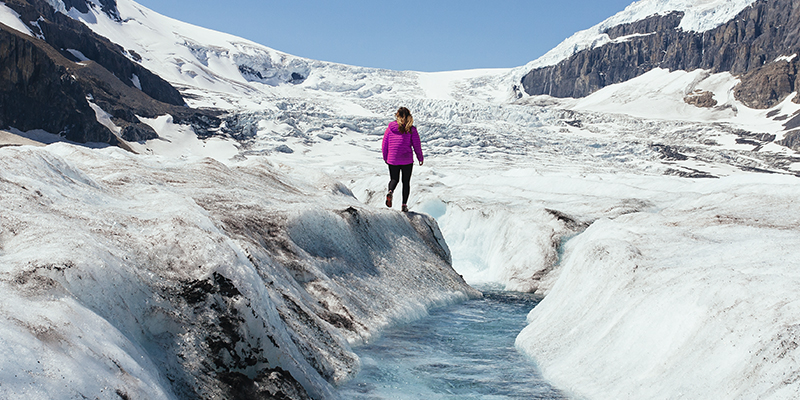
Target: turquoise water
465	351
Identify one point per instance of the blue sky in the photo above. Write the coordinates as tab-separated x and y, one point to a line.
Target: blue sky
409	35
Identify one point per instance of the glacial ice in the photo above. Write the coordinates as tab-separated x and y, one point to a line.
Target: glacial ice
154	277
691	298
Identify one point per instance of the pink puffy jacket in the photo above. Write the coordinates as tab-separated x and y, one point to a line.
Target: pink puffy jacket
397	146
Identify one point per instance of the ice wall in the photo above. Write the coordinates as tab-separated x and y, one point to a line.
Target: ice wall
148	277
691	298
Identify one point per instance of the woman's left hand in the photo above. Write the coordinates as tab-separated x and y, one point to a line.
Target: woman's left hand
420	163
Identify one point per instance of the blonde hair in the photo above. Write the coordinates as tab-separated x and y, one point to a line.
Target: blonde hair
404	119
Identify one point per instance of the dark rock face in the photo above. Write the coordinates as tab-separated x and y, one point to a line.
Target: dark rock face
107	6
36	92
79	5
274	384
648	25
44	86
214	301
138	133
669	153
62	32
745	45
768	85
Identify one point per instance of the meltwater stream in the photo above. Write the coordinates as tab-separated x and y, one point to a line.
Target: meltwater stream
464	351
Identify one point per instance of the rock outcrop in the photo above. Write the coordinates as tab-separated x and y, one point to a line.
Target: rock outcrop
699	98
64	33
39	92
751	46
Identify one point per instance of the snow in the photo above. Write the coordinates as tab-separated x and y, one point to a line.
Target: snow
181	142
11	19
700	15
136	82
450	85
660	93
786	58
104	118
234	73
58	6
39	336
627	38
11	139
80	56
42	137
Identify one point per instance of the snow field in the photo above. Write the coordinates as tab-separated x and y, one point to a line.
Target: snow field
492	175
233	73
181	142
46	358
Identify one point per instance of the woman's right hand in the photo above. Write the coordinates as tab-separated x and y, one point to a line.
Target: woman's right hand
420	163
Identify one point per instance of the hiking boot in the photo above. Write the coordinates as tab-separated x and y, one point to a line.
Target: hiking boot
405	208
389	200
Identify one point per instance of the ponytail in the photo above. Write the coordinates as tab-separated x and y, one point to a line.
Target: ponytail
404	119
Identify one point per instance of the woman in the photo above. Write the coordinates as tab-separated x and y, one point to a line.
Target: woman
400	138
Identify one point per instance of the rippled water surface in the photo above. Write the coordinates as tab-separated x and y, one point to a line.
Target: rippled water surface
465	351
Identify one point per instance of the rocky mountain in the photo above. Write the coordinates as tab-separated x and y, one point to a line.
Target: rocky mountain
757	45
55	75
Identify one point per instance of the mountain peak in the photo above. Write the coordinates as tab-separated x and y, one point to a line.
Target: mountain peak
627	46
697	16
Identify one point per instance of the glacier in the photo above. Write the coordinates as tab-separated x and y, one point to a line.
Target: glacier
661	234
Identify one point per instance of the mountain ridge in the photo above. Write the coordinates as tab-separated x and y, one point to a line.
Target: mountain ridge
79	67
745	46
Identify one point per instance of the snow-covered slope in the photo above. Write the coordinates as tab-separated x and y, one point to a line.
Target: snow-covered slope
231	72
10	18
661	95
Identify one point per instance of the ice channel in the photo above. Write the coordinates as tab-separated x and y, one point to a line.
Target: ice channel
464	351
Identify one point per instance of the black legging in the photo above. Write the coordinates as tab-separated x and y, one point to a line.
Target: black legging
394	176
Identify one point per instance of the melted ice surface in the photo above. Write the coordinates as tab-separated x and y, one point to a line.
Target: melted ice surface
464	351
